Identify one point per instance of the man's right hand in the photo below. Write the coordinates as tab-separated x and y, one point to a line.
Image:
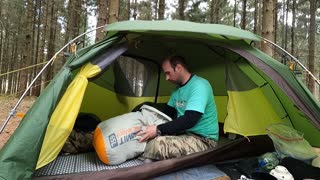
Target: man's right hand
148	133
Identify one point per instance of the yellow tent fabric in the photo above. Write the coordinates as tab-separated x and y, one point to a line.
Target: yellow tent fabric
65	114
249	113
94	102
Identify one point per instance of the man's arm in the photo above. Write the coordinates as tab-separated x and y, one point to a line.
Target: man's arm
170	111
188	120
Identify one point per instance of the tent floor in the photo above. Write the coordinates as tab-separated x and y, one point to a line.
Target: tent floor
86	162
89	162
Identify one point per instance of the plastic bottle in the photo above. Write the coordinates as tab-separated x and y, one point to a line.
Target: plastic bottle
268	161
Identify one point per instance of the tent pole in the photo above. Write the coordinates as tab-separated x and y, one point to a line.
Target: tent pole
13	111
295	59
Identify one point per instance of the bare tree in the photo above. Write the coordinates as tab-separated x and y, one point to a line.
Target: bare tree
214	11
267	25
2	30
43	42
255	17
73	29
275	13
162	5
293	27
27	53
135	10
128	9
114	11
155	6
234	13
102	18
312	44
181	9
51	38
244	14
286	26
73	19
38	8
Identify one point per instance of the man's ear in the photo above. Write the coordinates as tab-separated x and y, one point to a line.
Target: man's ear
179	67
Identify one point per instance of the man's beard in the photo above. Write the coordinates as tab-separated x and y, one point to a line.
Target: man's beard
178	82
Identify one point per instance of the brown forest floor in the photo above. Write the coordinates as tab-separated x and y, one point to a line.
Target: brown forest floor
6	105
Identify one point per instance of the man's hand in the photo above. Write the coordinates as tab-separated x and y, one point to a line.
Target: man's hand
148	133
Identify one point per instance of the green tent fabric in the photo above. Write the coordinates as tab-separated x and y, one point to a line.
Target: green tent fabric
23	148
252	90
21	152
175	27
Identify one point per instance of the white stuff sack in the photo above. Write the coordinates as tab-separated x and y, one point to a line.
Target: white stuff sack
115	139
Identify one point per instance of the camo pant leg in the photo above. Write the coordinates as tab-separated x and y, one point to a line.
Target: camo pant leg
165	147
78	142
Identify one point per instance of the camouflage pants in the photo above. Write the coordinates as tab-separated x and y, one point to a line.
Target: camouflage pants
78	142
165	147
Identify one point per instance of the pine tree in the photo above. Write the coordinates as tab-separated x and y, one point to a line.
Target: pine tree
267	25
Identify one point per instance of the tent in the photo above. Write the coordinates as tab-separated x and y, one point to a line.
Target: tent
111	77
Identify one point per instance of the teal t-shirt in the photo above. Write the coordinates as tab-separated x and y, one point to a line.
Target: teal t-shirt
197	95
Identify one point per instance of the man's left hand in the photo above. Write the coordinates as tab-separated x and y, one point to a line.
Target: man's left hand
148	133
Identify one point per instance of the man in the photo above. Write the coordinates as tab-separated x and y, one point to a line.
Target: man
196	116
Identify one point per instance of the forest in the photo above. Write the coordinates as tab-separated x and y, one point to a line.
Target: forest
32	31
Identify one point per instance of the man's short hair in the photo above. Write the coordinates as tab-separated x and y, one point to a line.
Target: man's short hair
175	60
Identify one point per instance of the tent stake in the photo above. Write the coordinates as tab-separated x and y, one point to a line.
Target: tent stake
13	111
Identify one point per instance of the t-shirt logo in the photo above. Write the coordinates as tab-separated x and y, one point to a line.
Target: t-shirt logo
181	103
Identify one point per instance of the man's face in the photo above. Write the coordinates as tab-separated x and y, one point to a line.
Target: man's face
171	74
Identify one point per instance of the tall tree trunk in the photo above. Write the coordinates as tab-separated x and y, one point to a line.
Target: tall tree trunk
275	23
162	5
77	18
244	14
156	8
69	17
73	19
4	61
102	18
85	25
27	53
312	44
1	44
44	40
267	25
60	60
286	26
234	13
129	9
18	48
36	89
283	31
7	57
13	65
293	27
51	32
1	57
181	9
48	73
255	17
114	11
214	11
259	28
135	10
33	59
